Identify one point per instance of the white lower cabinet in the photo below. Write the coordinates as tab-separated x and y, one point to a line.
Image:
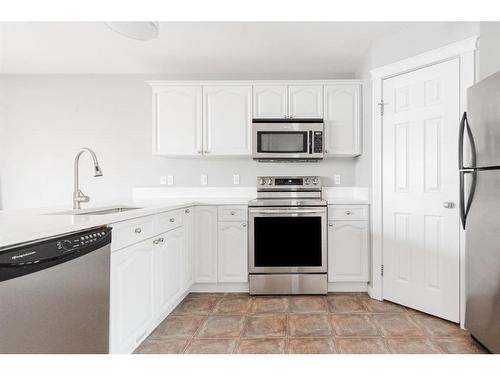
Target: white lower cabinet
232	252
348	251
205	238
187	257
132	296
169	248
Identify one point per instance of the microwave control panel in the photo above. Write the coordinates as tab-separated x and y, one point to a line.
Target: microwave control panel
318	142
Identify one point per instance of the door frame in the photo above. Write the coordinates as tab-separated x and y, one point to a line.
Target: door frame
463	50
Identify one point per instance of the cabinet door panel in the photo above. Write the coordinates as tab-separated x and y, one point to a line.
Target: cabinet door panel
270	101
206	244
177	120
342	120
227	117
232	252
305	101
188	253
348	251
169	272
132	296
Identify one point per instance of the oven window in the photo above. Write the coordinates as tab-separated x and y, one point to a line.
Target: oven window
287	241
282	142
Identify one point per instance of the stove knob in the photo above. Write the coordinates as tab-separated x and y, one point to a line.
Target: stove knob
262	181
307	181
315	180
67	245
269	181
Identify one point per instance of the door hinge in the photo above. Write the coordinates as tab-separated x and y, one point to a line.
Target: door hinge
382	105
382	270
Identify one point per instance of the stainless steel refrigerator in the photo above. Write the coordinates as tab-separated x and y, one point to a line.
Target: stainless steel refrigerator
479	164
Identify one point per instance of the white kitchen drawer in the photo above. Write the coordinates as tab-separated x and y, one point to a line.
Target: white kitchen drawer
232	213
168	221
128	232
348	212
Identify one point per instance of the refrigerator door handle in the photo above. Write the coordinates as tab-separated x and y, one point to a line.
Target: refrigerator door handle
465	207
464	127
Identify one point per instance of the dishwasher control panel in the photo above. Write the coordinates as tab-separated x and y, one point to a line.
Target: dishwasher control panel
54	248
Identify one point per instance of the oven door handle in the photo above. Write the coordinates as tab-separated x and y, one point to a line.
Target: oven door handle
290	212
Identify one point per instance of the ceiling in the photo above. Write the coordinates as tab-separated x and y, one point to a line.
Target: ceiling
192	49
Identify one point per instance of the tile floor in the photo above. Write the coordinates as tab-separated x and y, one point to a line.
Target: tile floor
336	323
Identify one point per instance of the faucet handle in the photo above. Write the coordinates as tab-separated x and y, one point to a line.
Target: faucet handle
80	197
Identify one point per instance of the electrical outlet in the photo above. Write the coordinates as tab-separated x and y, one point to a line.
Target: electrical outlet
336	179
236	179
204	179
170	180
163	180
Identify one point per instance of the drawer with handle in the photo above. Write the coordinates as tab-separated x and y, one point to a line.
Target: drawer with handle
232	213
128	232
168	221
348	212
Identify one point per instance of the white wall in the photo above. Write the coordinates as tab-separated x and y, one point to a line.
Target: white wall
417	38
47	118
489	49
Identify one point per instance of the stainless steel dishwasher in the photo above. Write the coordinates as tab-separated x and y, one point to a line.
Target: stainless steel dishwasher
54	294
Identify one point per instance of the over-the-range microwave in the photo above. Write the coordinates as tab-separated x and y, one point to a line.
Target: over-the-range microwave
287	139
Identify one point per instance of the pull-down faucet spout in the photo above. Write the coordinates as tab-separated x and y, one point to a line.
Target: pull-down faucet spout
78	196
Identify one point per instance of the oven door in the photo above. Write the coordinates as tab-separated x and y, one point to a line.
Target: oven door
287	240
284	140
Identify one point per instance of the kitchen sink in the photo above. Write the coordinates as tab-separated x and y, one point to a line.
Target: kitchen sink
96	211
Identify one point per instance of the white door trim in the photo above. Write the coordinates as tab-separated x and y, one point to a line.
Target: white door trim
463	50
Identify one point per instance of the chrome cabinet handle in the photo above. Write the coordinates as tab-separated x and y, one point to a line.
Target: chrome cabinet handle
199	151
244	225
330	224
348	212
155	242
187	210
171	220
138	230
207	151
448	204
232	213
160	239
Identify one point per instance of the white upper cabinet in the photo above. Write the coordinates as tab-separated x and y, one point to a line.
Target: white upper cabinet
227	119
288	101
342	120
177	120
232	252
305	101
270	101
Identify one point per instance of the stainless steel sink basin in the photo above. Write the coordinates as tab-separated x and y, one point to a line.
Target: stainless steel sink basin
96	211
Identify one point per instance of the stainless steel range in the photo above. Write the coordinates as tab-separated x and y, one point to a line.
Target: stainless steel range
288	237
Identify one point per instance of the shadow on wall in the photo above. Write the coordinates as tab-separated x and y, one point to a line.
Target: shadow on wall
1	204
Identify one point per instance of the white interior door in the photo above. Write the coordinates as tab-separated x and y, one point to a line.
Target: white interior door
420	235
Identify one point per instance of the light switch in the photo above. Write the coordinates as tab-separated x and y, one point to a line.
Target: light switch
236	179
336	179
170	180
163	180
204	179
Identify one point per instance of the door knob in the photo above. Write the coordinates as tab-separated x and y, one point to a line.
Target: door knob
448	204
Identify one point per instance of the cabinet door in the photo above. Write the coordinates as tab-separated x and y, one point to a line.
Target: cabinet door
168	248
348	251
188	252
177	120
227	118
232	252
305	101
205	244
342	120
270	101
132	296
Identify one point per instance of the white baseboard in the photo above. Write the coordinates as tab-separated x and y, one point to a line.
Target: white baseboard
348	287
220	288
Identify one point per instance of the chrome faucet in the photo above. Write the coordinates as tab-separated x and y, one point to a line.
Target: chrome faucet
78	196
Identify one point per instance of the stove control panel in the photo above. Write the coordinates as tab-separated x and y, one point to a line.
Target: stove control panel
289	183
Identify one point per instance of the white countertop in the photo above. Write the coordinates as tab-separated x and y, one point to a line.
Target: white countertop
18	226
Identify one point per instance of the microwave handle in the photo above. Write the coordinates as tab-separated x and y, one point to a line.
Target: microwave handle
310	141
